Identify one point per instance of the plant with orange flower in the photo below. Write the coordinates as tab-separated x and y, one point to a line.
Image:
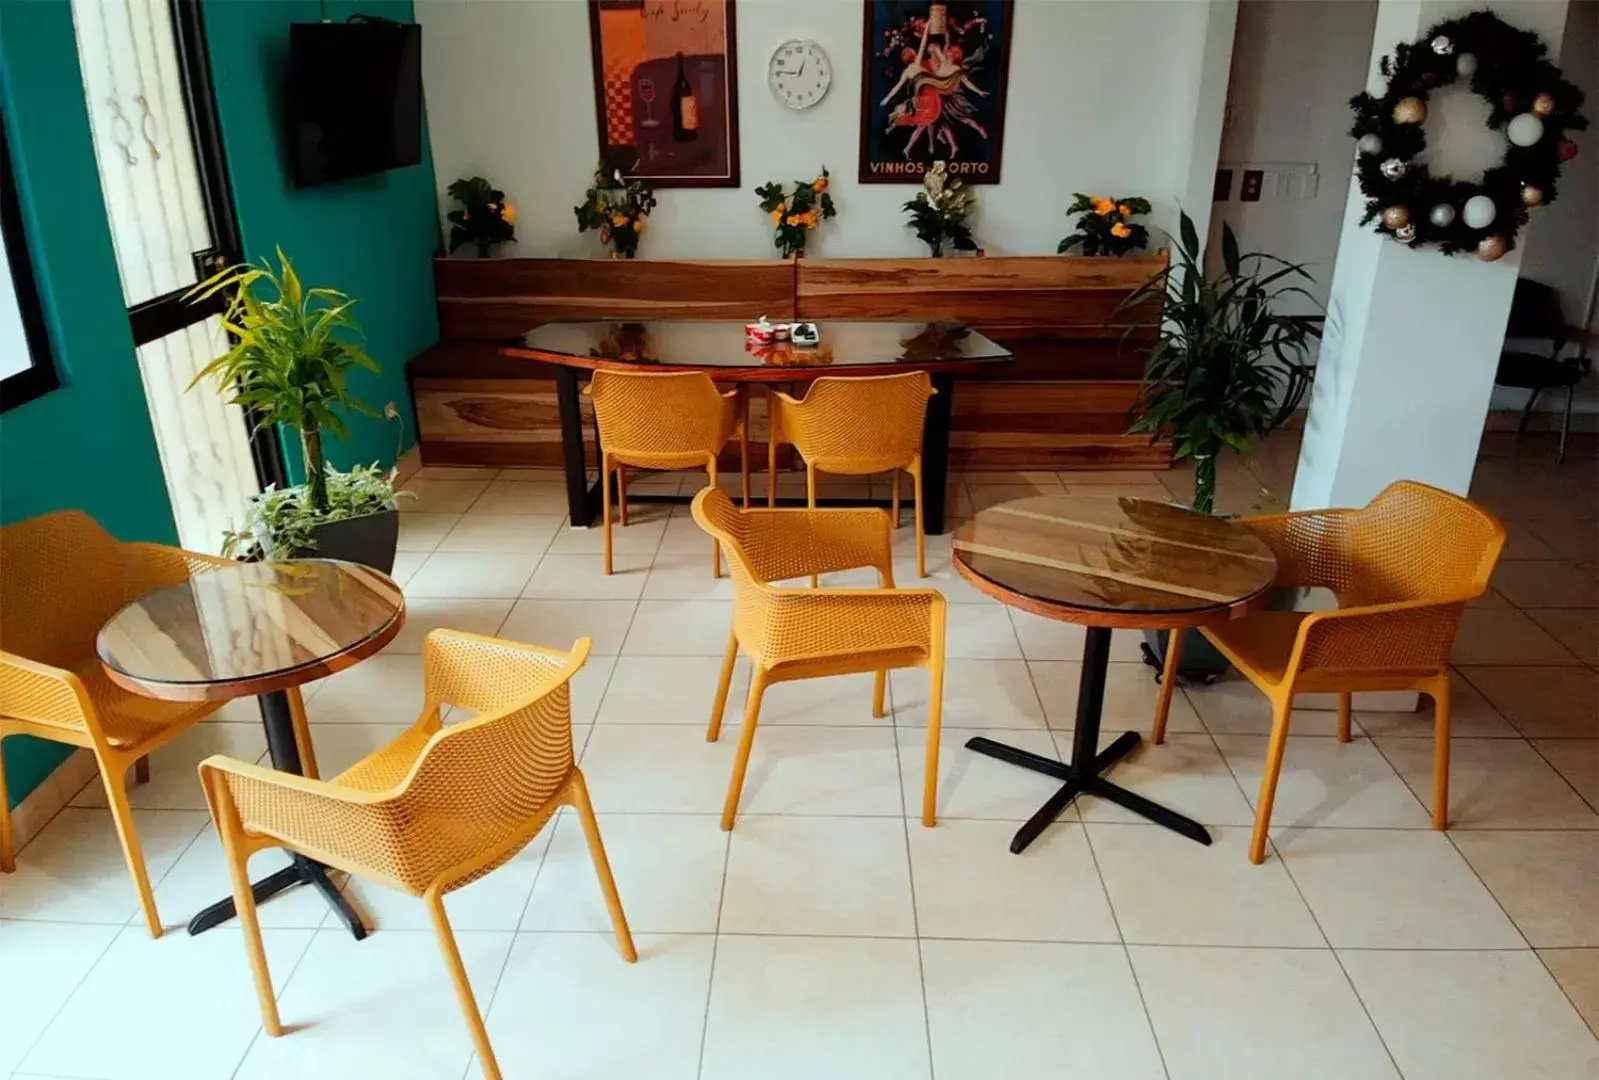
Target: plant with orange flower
794	214
1105	226
617	209
484	217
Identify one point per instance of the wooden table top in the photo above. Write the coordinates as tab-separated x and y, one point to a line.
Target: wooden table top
250	628
720	349
1115	561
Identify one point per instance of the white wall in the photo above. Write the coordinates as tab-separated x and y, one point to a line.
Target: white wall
1102	99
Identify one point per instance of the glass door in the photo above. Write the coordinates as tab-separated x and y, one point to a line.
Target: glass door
147	81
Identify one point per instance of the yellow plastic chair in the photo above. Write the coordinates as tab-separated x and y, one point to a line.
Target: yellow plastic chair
664	420
856	426
437	808
792	634
61	578
1403	568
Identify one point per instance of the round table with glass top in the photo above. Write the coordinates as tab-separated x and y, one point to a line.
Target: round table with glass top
1108	562
256	629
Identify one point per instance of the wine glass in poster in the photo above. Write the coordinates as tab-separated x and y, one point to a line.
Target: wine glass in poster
933	89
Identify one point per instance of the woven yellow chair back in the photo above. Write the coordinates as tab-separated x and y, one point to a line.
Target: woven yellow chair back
61	578
858	425
665	419
1416	542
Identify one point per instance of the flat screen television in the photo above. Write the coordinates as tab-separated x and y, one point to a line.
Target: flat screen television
355	95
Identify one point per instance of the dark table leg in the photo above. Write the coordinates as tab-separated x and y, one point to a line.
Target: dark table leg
935	454
1082	773
581	504
278	720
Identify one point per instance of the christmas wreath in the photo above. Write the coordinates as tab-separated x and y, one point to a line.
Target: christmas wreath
1530	101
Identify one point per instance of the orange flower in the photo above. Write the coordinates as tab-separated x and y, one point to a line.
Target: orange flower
638	226
819	185
777	216
795	219
508	215
1121	230
1104	207
1125	210
619	220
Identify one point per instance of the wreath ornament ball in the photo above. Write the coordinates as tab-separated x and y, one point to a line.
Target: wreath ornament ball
1529	99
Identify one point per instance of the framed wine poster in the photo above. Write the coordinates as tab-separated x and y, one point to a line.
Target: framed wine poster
666	90
933	85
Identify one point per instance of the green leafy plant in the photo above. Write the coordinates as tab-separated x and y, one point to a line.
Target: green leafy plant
280	524
617	208
292	353
1105	226
1227	365
939	212
484	217
795	214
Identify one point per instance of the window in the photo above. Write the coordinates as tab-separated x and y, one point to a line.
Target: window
27	369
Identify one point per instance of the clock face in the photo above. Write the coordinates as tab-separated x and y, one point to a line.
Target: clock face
799	74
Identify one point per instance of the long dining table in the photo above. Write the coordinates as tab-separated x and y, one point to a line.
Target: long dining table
722	349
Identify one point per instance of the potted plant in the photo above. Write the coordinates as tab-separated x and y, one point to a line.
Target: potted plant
939	212
794	214
1227	366
1106	226
616	208
484	219
292	352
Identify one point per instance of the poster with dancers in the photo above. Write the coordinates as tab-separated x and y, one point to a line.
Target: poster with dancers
933	89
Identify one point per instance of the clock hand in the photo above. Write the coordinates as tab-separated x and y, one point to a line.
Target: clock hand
801	70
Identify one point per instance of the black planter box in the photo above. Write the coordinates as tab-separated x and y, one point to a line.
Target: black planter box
369	540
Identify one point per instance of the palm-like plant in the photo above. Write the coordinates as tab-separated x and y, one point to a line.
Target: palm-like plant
1227	365
292	352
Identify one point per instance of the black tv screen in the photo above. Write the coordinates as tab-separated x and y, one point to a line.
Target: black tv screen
355	95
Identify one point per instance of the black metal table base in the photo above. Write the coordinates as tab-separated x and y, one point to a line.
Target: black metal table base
278	719
1081	775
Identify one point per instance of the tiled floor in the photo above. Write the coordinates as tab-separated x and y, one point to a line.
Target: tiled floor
830	935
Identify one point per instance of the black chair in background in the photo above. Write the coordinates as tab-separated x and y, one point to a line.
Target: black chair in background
1535	314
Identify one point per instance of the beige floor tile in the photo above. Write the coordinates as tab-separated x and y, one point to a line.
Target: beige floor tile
1325	783
686	575
1262	1014
1577	972
383	689
983	495
1522	543
1186	773
844	876
174	779
200	878
521	497
493	902
1471	717
1543	702
1044	483
1232	706
44	964
804	769
455	472
1575	628
423	614
792	1008
1130	695
1505	636
1547	881
555	1013
1546	584
941	576
683	536
558	623
468	575
837	701
1051	639
668	870
977	693
406	564
1168	890
641	536
1577	760
969	885
583	577
657	768
1493	784
1571	537
503	534
1394	888
1471	1015
680	628
1035	1011
671	690
1099	477
423	531
973	786
442	496
980	632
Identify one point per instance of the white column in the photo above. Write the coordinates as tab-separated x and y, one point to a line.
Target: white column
1214	60
1413	337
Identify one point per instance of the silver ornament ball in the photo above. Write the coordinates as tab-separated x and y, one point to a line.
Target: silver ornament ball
1394	169
1442	45
1525	129
1480	212
1442	215
1370	145
1465	65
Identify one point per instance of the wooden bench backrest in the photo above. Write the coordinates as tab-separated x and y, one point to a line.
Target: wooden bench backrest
495	299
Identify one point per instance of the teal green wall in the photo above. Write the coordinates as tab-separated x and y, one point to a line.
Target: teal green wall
87	445
372	237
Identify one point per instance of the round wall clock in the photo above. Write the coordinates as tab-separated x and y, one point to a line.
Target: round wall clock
799	73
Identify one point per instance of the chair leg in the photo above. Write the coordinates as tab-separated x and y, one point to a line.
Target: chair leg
718	707
1346	707
621	495
893	502
935	721
771	453
716	548
744	447
746	739
602	866
605	507
916	514
1526	412
141	770
114	776
810	501
463	988
879	685
1282	709
1168	684
1565	426
302	734
222	809
1442	704
8	851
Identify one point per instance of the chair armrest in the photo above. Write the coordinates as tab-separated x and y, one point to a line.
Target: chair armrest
148	567
811	624
1405	636
1311	546
485	674
788	542
42	694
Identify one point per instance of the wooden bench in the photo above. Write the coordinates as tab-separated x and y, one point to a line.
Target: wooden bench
1061	404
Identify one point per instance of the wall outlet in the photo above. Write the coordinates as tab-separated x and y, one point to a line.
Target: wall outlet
1254	180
